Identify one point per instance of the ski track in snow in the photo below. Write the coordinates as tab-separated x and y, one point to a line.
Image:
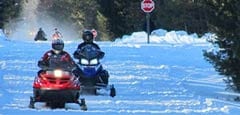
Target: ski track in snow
149	79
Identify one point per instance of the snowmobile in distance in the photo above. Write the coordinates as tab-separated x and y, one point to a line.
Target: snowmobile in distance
91	72
56	87
41	36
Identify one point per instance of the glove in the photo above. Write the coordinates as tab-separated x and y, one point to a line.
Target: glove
42	64
77	54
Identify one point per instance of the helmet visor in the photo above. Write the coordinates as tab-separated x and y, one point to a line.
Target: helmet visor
88	38
58	47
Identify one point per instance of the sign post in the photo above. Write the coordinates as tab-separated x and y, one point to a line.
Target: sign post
148	6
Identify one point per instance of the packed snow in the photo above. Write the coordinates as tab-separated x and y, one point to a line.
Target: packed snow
167	76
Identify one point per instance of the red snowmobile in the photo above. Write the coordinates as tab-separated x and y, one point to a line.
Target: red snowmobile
56	87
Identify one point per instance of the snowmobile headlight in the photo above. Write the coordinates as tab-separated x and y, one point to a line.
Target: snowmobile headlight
57	73
93	62
84	61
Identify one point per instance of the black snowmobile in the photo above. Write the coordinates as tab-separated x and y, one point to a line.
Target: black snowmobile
41	36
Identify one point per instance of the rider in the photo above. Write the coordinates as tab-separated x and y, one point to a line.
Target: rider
56	34
40	35
87	37
57	57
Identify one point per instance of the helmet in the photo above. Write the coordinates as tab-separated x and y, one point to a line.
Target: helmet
87	36
58	44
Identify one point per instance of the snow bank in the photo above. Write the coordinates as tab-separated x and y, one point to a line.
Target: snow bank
163	37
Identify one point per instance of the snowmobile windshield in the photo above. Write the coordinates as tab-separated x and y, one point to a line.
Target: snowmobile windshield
55	62
89	52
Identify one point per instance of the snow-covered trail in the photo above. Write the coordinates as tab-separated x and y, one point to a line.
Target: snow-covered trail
149	79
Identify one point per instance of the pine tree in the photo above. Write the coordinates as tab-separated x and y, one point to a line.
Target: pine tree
225	22
9	9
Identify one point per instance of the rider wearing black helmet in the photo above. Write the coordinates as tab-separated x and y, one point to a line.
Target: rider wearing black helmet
57	57
88	37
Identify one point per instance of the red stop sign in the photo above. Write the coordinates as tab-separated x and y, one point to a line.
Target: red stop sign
147	6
